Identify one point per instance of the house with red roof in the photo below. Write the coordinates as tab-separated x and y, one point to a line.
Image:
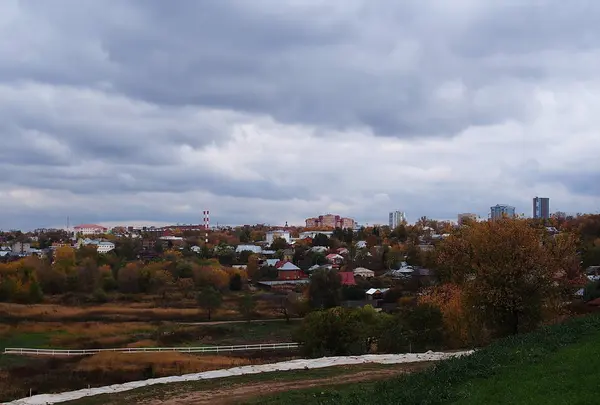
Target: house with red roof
335	259
347	278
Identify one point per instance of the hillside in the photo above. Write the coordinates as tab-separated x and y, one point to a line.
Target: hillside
554	365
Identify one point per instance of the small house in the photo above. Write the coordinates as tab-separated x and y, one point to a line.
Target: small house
289	271
363	272
376	293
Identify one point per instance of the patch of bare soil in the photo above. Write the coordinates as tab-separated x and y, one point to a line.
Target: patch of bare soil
242	392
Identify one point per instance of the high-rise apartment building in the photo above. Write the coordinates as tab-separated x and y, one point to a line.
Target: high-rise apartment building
501	210
541	207
396	218
329	221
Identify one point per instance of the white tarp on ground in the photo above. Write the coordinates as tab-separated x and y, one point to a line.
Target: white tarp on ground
300	364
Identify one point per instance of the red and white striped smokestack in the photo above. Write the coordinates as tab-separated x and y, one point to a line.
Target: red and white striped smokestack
206	225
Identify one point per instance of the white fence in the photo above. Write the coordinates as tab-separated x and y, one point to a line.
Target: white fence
207	349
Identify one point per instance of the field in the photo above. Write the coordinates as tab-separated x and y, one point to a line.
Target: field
554	365
128	325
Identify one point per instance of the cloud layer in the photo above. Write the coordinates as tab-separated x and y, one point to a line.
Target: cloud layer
270	111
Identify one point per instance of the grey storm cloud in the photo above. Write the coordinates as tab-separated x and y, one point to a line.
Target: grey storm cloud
120	97
374	64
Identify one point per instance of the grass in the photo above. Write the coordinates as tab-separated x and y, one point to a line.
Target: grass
160	364
569	376
161	392
554	365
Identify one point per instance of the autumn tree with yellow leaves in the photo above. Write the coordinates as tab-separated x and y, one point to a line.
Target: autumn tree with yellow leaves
508	270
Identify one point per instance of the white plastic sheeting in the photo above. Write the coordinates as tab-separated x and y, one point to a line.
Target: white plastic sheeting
300	364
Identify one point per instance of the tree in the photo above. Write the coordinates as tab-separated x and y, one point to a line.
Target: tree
244	255
279	244
210	299
338	332
252	268
416	328
324	289
246	306
186	286
235	282
129	278
320	239
508	270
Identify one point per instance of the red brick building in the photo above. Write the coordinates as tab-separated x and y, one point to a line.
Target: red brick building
329	221
289	271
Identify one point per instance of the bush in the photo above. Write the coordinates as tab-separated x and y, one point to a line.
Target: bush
338	332
353	293
235	282
591	291
100	296
417	328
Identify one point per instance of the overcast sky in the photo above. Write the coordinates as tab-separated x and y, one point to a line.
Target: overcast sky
272	111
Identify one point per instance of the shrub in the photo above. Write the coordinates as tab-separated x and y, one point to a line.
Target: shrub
591	291
235	282
100	296
338	332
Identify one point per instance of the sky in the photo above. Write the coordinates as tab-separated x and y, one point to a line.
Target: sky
267	111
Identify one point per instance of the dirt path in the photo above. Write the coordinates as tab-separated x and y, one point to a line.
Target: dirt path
241	392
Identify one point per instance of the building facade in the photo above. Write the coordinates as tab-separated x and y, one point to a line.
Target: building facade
541	207
501	210
272	235
396	218
329	221
89	229
467	216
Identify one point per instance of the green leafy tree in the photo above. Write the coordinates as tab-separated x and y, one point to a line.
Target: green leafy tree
320	239
210	299
279	244
324	289
338	332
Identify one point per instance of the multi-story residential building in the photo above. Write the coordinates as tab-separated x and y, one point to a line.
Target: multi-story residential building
541	207
329	221
89	229
21	248
467	216
501	210
396	218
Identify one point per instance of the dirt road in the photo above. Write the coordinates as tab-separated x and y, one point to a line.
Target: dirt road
241	392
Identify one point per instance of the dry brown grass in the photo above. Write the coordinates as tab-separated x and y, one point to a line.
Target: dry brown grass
162	364
143	343
108	312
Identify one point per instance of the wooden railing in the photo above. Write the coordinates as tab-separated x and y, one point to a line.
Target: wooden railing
203	349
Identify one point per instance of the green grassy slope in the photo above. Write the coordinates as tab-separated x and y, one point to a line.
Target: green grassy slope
554	365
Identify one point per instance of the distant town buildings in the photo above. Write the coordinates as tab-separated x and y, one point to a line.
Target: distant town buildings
501	210
396	218
329	221
467	216
541	207
279	233
89	229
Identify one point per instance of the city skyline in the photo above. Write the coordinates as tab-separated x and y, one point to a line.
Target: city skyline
281	110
